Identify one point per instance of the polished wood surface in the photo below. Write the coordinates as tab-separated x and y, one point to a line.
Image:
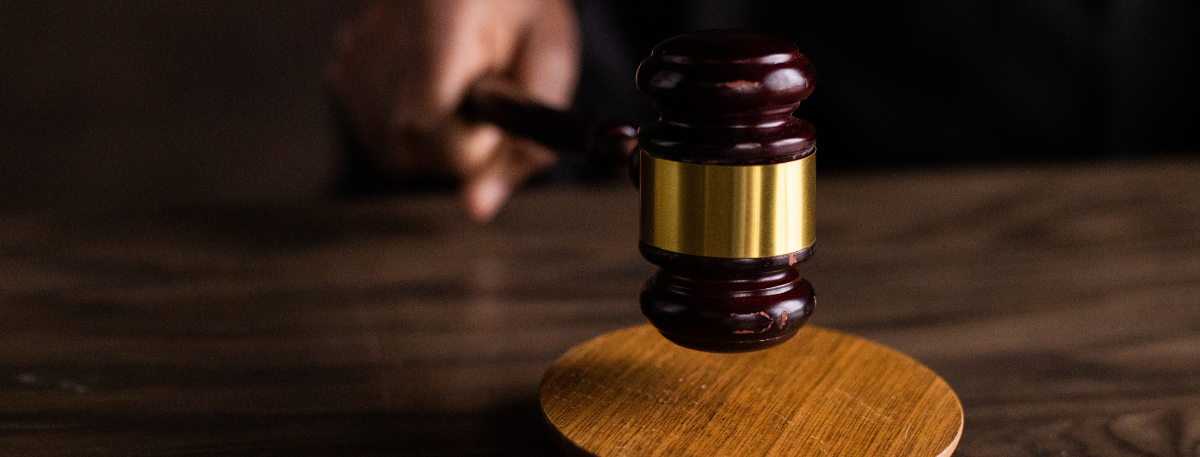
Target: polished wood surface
1060	303
632	393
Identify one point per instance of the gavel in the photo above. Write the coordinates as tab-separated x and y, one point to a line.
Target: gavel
727	181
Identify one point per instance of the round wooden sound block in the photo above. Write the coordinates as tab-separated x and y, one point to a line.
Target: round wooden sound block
824	393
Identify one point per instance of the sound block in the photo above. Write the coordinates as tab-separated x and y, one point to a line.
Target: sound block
824	393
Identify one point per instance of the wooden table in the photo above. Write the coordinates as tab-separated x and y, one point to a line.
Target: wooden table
1061	302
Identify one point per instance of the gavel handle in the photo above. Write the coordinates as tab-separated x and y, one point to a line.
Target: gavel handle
608	146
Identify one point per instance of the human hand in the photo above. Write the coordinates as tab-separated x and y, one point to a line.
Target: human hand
403	66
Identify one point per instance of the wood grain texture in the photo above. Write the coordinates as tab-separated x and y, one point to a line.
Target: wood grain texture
631	393
1059	302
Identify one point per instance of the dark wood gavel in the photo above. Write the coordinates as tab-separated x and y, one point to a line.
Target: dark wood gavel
606	146
726	176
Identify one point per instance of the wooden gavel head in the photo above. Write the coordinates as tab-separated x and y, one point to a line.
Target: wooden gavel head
727	181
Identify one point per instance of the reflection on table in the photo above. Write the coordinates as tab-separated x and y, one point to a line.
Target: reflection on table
1060	302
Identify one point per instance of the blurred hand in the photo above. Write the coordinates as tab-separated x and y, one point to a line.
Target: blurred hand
403	67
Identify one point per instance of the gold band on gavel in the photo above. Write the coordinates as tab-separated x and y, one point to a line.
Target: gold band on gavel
729	211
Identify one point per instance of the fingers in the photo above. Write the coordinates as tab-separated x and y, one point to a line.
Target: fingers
545	64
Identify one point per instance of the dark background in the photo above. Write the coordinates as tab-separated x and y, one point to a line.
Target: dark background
122	103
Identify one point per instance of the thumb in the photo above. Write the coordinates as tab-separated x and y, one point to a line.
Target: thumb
482	197
484	192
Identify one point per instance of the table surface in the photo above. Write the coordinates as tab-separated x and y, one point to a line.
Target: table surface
1059	301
